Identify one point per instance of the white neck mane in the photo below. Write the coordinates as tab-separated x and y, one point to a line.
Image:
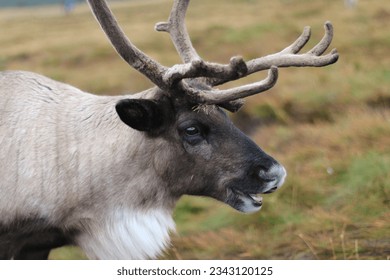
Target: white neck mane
128	234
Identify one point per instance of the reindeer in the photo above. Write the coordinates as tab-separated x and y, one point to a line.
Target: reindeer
105	172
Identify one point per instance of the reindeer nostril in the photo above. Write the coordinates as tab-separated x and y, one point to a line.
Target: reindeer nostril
264	175
271	179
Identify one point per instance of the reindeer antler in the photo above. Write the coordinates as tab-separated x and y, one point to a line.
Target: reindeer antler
133	56
177	29
289	56
178	78
195	67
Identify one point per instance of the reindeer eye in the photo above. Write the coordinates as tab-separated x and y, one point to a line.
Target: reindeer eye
192	133
192	130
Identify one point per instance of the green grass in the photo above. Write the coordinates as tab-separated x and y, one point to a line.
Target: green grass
330	127
365	184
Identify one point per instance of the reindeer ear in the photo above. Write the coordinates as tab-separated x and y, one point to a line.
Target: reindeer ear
141	114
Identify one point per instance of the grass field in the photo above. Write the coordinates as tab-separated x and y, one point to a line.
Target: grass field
330	127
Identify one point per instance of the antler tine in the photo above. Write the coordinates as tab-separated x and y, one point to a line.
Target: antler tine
300	42
289	56
178	31
229	98
133	56
194	66
321	47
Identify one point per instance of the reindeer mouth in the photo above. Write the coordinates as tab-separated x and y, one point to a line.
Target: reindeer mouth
247	197
246	202
257	199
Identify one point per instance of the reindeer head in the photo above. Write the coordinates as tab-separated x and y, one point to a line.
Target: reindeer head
204	153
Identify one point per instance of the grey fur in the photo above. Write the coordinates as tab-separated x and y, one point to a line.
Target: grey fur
53	134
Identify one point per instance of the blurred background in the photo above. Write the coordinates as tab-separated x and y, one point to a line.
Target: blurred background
330	127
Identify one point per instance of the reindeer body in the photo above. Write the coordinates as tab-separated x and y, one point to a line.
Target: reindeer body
105	172
67	163
74	173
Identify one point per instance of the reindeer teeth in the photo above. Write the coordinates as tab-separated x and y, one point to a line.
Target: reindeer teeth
257	197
